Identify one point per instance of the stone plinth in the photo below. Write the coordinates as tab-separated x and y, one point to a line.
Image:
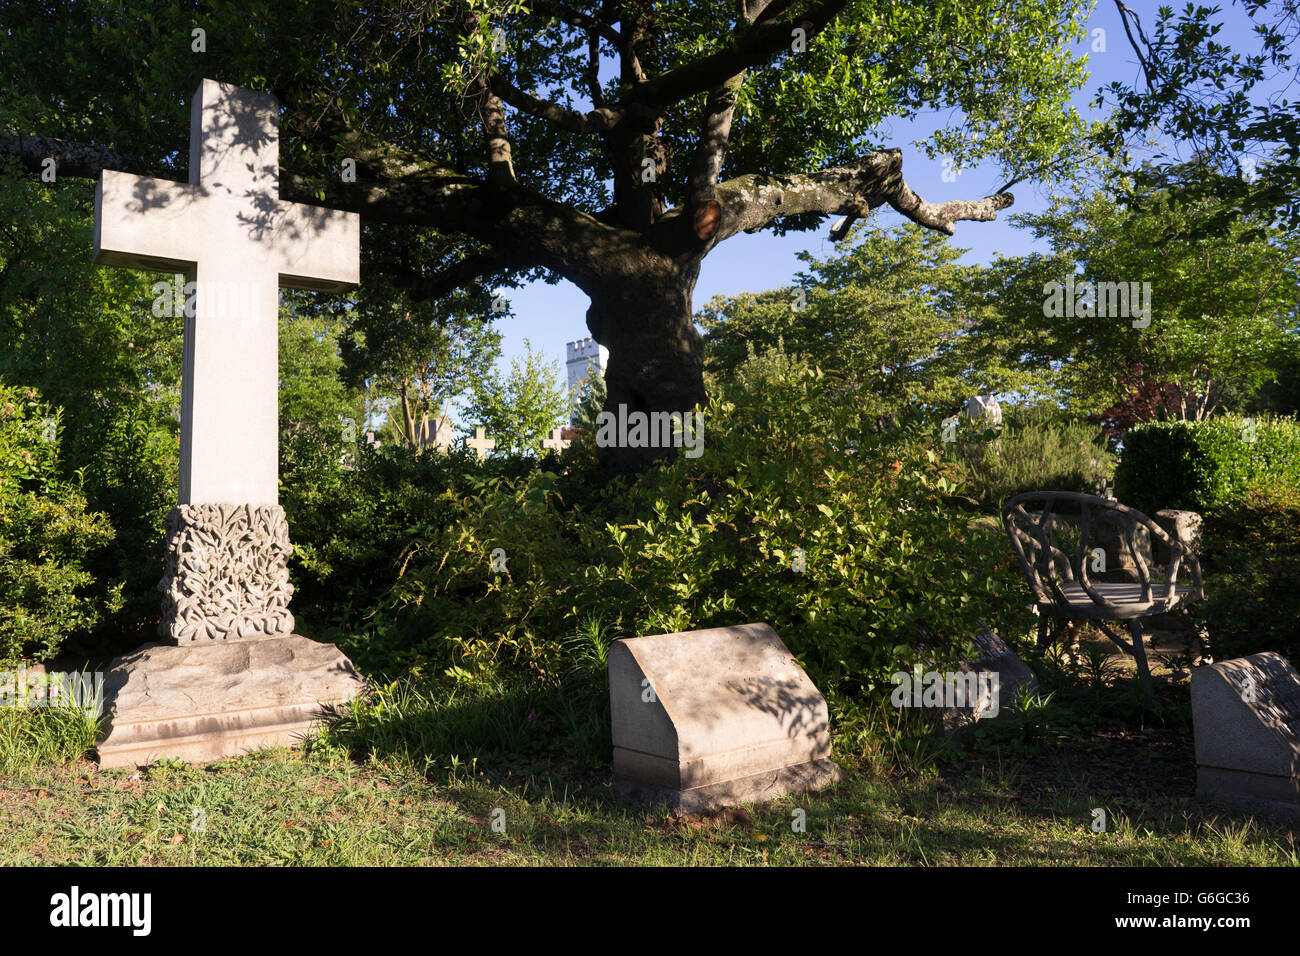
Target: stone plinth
1182	526
201	703
1246	715
711	718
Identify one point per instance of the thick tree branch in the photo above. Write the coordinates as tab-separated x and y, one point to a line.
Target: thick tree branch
751	48
598	120
395	186
592	73
748	203
79	160
711	147
492	116
420	287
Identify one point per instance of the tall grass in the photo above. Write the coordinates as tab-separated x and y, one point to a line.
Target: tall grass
43	736
448	721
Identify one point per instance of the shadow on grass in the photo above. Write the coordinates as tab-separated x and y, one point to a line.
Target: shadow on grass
520	736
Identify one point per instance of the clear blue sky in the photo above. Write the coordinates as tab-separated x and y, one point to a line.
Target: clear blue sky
550	316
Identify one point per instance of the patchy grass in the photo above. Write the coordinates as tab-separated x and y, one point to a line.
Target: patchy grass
322	808
415	775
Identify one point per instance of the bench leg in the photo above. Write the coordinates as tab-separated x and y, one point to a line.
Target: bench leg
1140	654
1044	628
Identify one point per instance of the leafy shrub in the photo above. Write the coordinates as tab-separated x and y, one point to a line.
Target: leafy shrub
45	536
1036	449
444	723
383	554
397	555
1251	563
1201	465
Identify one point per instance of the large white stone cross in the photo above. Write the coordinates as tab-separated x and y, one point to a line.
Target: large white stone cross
228	230
226	577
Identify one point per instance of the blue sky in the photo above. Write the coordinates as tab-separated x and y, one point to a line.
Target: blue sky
550	316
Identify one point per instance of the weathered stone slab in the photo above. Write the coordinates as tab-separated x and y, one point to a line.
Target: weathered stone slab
715	717
1121	567
201	703
992	656
1246	718
1184	526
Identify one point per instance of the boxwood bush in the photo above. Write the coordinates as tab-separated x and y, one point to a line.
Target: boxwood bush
1203	465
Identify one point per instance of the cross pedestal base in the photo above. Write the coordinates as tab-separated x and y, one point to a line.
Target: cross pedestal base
201	703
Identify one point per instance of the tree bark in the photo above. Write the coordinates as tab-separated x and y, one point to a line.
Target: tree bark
656	356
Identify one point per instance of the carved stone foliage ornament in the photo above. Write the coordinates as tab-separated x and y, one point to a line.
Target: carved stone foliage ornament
227	576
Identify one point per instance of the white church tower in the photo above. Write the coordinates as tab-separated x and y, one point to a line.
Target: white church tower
584	356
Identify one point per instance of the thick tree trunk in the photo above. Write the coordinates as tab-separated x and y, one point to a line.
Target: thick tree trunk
655	353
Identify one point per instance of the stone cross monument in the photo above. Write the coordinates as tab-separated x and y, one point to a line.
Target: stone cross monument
226	580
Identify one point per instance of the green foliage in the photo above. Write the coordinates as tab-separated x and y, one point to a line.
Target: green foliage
886	319
363	541
46	534
401	564
1220	305
1201	465
1205	89
449	722
591	401
1251	563
1036	449
40	737
87	340
124	72
321	419
415	358
521	408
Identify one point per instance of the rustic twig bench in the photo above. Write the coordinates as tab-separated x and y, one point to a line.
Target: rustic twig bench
1038	523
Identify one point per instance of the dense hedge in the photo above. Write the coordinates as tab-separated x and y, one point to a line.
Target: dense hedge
1251	562
45	537
1203	465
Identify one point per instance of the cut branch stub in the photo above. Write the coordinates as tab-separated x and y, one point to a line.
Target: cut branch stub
708	216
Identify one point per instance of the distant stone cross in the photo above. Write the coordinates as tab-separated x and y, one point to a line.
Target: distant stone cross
556	441
481	443
228	231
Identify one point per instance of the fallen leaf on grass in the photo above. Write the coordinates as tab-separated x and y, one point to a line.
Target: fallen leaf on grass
177	839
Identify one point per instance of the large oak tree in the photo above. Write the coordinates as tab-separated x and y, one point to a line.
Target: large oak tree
612	145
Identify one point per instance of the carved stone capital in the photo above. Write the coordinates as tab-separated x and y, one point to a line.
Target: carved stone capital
227	576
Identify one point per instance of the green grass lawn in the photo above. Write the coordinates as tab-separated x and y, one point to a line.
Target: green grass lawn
381	787
322	808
